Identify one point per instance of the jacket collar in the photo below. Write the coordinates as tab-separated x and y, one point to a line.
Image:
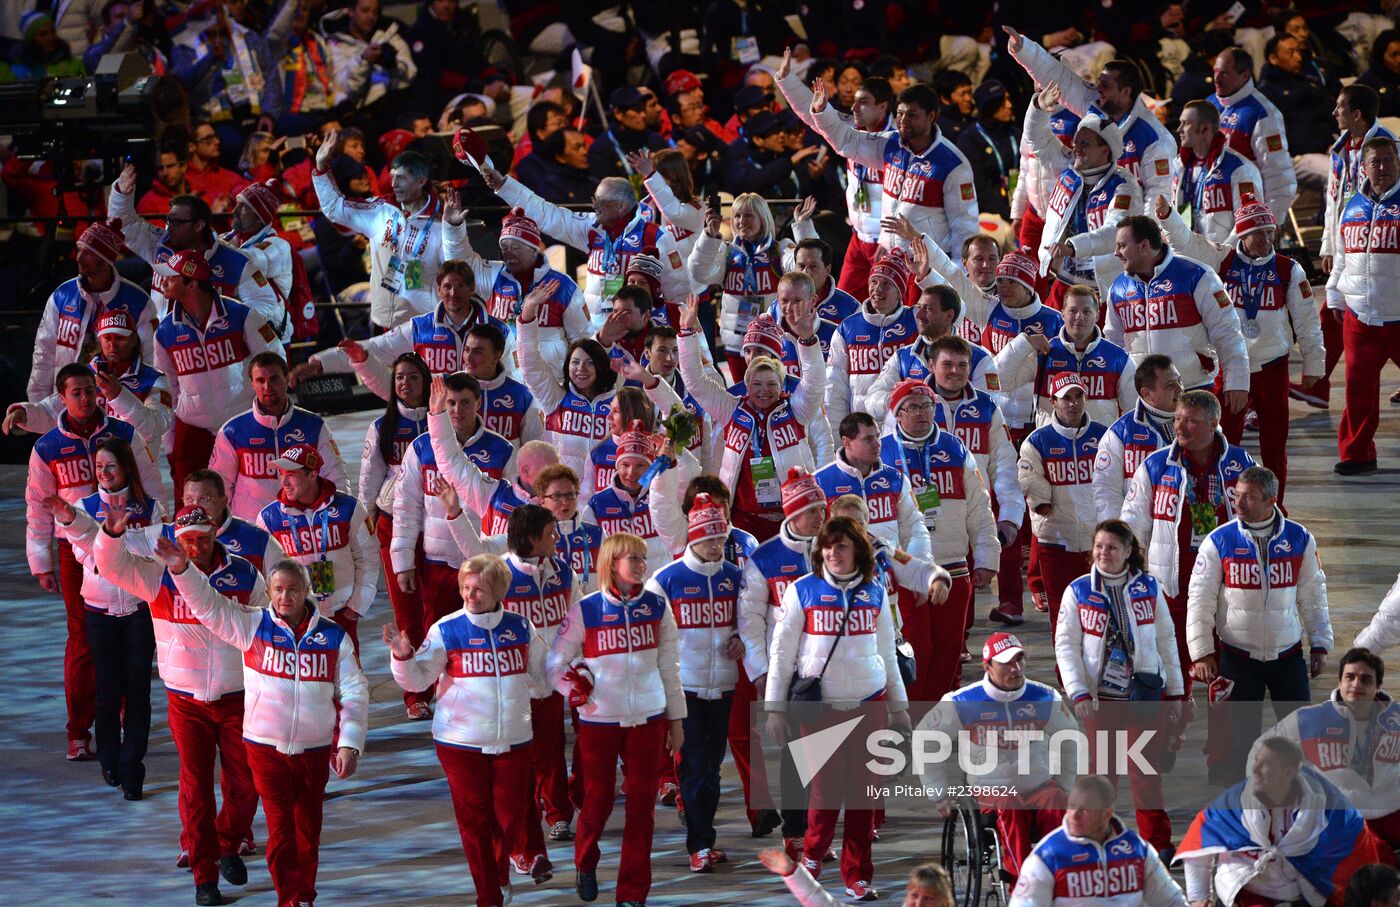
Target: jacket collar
488	621
1213	153
1068	343
266	420
1116	829
794	542
1069	431
704	568
412	413
1000	695
541	569
847	468
1245	91
325	491
868	312
65	426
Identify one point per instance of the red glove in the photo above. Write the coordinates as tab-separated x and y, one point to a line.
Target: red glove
580	681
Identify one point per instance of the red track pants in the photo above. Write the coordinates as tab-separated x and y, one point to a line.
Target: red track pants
1154	825
550	776
293	791
491	800
192	450
408	606
845	771
1268	396
1034	816
202	729
855	267
1368	348
936	633
79	674
642	748
1058	568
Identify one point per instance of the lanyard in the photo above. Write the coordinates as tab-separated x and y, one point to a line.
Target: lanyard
609	257
415	235
1251	291
325	536
1001	166
750	278
904	461
758	438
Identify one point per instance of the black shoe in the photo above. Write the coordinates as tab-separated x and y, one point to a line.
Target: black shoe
132	792
232	869
208	893
110	776
998	616
765	821
587	886
1166	854
1355	467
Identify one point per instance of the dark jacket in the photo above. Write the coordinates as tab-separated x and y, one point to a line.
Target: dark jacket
603	159
770	174
952	122
448	57
1306	107
554	182
1387	85
992	174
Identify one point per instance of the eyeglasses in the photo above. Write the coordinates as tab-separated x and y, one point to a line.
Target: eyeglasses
205	140
917	408
560	496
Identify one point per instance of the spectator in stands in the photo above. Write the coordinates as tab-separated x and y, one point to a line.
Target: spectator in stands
170	179
735	36
956	107
891	70
1196	83
207	175
43	52
762	164
1305	100
627	132
370	57
748	101
557	170
229	72
686	103
849	77
258	162
1384	72
446	51
990	147
543	119
306	74
124	32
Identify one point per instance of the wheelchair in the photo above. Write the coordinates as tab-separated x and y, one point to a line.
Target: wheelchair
972	857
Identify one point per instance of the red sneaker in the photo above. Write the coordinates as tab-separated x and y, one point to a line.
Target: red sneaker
814	867
79	751
700	861
718	856
862	891
793	848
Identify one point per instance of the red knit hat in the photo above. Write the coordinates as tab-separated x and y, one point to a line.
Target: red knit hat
647	264
681	81
520	228
299	456
263	199
907	388
395	141
764	332
192	518
1254	215
636	442
190	264
801	492
115	322
103	240
1021	268
706	520
893	267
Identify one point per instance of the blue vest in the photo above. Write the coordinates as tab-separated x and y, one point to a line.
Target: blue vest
578	416
614	513
439	345
1068	461
314	658
1168	477
823	605
140	379
1085	871
579	549
256	446
472	651
507	296
1165	302
1238	121
739	546
970	420
1139	438
691	594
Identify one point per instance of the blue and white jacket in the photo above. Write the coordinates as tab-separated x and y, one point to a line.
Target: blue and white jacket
1057	468
1123	871
486	668
1254	127
888	494
774	566
246	445
859	349
704	599
1128	441
1367	261
1361	755
959	519
630	647
335	530
1082	631
1105	369
69	324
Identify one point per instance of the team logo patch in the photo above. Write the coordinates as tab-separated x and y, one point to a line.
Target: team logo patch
1222	299
1122	201
993	382
1163	168
967	192
267	333
1274	143
675	258
1305	288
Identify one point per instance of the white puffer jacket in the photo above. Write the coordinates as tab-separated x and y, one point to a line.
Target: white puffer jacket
1384	629
630	648
704	599
1122	871
192	660
1280	326
1265	143
1263	610
1366	265
1082	634
1057	468
573	424
246	445
772	568
98	592
1330	733
303	694
486	668
805	642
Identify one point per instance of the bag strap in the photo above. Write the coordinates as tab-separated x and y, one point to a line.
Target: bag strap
845	618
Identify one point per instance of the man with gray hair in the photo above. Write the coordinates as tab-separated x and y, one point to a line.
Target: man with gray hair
616	231
1257	586
405	235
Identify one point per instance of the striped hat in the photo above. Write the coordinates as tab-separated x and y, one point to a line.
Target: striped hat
636	442
801	492
764	332
706	520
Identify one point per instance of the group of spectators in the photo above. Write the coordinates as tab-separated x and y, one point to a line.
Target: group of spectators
865	319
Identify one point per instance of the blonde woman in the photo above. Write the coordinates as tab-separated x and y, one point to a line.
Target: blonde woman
746	269
616	659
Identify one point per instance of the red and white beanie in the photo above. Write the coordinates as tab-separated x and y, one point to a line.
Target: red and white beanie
636	442
192	518
115	322
893	267
801	492
1020	267
103	240
1254	215
909	387
519	227
706	520
647	264
765	333
263	199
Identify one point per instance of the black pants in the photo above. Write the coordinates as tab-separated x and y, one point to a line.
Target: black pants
1285	679
122	649
706	736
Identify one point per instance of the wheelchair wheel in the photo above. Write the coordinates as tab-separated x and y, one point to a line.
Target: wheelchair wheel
996	893
962	857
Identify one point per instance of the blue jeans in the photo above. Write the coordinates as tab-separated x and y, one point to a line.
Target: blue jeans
706	736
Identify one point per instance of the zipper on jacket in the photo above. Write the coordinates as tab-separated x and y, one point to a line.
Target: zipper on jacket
496	668
627	628
296	678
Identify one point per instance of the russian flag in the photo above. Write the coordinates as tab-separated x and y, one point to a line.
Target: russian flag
1340	841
